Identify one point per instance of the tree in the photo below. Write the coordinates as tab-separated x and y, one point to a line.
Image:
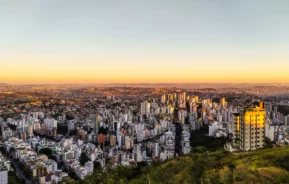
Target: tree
268	143
232	168
237	140
46	151
214	176
52	157
199	166
12	150
83	159
73	132
200	149
230	137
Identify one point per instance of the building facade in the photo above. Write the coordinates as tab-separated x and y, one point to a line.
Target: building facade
250	128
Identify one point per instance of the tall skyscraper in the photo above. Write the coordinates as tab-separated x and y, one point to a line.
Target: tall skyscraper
112	140
237	123
250	127
196	99
184	96
97	123
286	120
174	96
223	102
163	98
145	107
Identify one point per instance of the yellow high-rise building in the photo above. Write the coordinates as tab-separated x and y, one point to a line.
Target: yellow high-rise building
250	128
223	102
196	99
236	118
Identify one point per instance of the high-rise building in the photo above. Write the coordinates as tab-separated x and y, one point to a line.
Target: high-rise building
89	167
50	127
120	140
286	120
250	127
223	102
157	149
184	96
174	96
30	130
101	138
170	98
70	125
128	142
145	108
196	99
112	140
97	122
268	107
54	132
220	117
163	98
24	136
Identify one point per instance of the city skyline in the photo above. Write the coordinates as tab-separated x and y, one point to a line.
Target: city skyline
144	42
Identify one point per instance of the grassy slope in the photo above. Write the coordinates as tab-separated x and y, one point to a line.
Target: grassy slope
262	166
13	180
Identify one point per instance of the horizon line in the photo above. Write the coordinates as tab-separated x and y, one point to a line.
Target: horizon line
107	83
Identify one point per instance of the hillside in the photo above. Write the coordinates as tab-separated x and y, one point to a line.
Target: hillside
263	166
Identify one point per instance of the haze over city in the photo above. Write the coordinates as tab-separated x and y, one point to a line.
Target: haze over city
150	41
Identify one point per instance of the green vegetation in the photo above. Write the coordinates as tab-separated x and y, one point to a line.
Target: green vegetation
83	159
10	115
49	153
13	179
46	151
198	138
262	166
62	129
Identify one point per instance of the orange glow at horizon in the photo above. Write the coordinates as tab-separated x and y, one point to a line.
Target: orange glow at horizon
89	68
135	75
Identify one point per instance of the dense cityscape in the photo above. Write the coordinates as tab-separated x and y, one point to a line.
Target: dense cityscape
144	92
54	134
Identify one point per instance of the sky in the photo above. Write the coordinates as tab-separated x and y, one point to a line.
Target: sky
129	41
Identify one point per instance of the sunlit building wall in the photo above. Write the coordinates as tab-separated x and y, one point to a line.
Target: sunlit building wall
252	129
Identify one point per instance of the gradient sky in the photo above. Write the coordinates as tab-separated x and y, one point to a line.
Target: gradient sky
91	41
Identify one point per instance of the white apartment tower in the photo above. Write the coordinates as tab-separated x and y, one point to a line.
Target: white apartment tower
145	107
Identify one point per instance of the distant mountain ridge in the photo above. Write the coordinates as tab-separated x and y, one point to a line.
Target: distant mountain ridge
181	85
